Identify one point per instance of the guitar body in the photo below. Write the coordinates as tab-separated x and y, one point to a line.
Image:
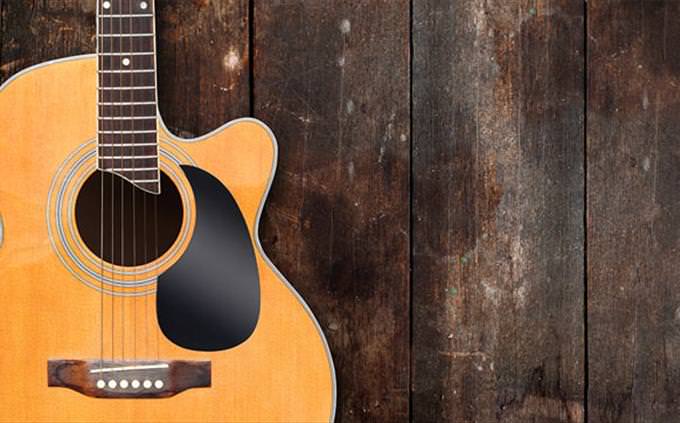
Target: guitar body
52	309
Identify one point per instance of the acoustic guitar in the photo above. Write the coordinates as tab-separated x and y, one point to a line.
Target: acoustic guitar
134	285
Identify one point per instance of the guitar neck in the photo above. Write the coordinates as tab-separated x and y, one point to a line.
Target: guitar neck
126	50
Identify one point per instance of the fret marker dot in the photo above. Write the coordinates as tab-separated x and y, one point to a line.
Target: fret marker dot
107	5
126	62
143	5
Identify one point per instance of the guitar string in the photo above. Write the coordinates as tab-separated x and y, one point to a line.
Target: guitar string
121	138
146	295
100	78
152	7
122	192
133	189
113	221
155	204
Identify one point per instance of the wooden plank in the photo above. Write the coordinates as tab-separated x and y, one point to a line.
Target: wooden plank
34	32
332	80
498	281
633	213
203	63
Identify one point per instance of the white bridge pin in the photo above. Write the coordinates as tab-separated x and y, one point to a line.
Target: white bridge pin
135	384
159	384
124	384
147	384
113	384
101	384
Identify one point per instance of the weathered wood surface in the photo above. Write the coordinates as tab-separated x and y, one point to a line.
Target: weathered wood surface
34	32
633	214
498	213
203	63
332	80
497	183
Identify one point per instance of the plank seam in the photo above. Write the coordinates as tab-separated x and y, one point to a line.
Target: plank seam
586	374
411	371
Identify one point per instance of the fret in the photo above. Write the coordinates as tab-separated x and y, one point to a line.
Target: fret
109	90
141	53
129	138
127	103
137	169
149	34
117	72
126	145
137	174
128	15
127	132
132	87
141	175
131	169
129	118
129	158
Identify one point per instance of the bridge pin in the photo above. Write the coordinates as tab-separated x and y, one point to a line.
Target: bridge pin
101	384
158	384
147	384
124	384
135	384
113	384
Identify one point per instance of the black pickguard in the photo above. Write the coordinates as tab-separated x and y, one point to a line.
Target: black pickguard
210	299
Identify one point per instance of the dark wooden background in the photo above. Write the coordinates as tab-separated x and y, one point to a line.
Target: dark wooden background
480	199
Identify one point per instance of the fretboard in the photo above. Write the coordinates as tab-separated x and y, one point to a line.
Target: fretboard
128	144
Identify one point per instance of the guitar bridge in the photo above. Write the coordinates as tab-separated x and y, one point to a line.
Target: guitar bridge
128	379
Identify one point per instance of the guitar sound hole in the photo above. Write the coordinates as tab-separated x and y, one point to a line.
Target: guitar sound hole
138	227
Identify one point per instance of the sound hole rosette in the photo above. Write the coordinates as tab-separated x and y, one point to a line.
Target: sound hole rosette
72	251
